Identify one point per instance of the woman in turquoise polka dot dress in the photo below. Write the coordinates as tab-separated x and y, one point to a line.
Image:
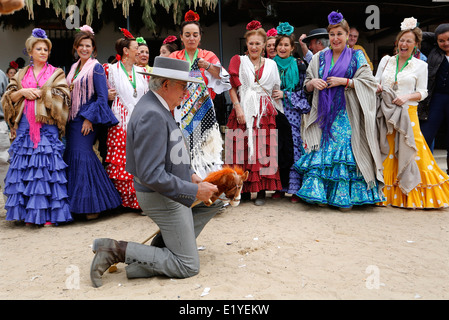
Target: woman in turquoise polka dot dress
333	172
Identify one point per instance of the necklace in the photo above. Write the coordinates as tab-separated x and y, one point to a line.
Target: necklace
395	85
186	55
256	71
132	79
77	71
37	80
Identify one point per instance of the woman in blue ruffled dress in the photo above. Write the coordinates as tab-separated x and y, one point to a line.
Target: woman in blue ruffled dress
89	187
292	72
36	106
342	164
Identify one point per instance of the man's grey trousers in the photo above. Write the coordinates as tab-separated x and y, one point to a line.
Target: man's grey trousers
180	226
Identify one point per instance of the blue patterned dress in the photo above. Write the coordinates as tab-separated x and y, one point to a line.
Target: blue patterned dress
330	174
295	104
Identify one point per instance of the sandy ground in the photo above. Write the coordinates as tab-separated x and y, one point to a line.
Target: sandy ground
278	251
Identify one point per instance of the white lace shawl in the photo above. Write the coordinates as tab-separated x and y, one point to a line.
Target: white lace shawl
253	93
119	81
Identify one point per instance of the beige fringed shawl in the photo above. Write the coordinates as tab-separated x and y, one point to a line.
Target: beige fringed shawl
52	108
361	109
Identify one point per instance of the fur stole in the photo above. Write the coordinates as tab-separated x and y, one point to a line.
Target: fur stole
52	108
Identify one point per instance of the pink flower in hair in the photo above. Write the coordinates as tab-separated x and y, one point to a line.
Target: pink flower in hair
87	28
272	33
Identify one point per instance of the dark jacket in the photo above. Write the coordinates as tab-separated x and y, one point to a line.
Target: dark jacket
434	59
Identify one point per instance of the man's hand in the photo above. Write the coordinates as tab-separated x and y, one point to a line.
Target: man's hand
205	191
196	178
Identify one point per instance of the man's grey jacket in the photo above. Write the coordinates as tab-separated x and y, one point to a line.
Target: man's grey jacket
156	153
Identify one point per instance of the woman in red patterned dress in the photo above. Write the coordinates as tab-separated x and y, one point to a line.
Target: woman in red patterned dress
126	86
252	121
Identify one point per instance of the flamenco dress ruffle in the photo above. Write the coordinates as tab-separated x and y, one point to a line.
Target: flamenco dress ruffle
116	158
262	166
330	174
89	188
36	183
432	192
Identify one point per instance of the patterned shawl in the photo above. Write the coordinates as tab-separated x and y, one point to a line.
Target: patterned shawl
82	87
200	127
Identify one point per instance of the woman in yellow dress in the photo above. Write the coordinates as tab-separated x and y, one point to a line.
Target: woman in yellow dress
411	174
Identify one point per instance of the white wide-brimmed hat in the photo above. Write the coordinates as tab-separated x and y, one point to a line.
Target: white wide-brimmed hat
171	68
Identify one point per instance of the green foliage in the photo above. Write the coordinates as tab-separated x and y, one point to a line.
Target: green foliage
88	8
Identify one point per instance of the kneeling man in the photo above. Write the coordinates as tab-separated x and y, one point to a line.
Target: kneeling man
166	185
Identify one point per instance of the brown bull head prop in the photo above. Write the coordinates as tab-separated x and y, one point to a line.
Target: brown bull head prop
229	181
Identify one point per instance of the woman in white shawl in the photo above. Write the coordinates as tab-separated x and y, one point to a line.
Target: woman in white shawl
251	140
126	86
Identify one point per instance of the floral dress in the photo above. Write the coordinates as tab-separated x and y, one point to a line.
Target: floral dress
295	104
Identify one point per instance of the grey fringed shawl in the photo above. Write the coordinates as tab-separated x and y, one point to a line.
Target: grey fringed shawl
392	117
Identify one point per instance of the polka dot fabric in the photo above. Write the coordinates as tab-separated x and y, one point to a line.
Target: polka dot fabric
432	192
116	159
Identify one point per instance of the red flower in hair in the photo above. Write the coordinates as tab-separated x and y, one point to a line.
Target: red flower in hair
118	57
253	25
272	32
191	16
170	39
126	33
13	64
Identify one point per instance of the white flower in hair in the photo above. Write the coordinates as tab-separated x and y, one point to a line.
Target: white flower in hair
409	23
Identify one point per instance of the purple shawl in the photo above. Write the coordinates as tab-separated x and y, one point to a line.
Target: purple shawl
326	114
